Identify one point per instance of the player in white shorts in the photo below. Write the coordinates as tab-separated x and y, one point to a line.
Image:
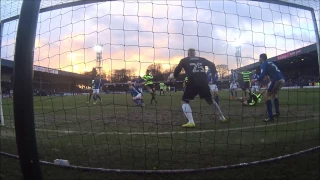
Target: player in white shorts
255	86
233	89
213	85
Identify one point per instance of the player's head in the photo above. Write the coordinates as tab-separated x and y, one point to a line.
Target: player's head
191	52
263	57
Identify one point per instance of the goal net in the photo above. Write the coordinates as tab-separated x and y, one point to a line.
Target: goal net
86	52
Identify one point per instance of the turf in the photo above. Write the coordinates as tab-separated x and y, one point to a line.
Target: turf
116	134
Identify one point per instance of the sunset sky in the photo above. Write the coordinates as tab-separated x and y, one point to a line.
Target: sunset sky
135	35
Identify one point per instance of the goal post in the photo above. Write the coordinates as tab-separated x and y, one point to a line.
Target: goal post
1	108
23	90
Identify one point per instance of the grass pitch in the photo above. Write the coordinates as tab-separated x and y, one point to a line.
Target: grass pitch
116	134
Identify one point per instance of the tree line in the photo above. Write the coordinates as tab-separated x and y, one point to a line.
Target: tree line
158	72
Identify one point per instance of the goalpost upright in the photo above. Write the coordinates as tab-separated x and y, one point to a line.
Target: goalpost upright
1	109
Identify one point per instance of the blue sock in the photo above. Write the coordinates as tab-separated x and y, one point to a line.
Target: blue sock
217	99
269	108
276	105
136	101
231	93
236	93
94	97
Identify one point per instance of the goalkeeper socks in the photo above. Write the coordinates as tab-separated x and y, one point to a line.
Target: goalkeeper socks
217	99
269	109
187	112
276	105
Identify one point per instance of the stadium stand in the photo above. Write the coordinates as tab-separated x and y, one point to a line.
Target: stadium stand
46	81
300	67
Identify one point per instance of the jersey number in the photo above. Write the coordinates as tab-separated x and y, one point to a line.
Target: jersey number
275	67
197	67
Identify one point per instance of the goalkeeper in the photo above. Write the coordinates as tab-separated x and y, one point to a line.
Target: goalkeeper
197	84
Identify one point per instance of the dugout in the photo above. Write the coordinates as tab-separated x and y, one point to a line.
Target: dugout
46	81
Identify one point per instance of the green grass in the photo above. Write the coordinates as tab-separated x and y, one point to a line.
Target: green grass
116	134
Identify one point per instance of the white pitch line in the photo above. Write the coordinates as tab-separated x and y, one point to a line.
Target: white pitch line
172	132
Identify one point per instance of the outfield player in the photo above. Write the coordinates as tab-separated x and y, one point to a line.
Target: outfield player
148	83
136	95
197	84
277	82
233	89
97	82
212	80
91	92
138	84
255	86
162	86
233	84
245	82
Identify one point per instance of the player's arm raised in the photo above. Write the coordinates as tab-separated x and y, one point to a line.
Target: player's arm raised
178	69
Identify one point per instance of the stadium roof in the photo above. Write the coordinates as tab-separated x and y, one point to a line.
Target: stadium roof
9	64
285	56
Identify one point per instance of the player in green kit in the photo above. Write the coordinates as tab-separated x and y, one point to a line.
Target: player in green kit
245	82
162	86
148	83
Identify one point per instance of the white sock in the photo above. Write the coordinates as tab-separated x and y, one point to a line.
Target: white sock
187	112
216	107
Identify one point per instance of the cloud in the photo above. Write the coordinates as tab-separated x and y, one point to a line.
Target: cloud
134	35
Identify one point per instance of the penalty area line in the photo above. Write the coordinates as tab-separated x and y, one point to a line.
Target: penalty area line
174	132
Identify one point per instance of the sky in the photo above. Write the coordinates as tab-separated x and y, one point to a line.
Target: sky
137	34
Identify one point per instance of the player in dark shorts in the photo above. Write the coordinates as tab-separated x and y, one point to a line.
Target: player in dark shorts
277	82
149	86
197	84
244	82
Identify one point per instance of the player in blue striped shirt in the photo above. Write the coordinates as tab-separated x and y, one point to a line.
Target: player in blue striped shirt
255	85
97	84
213	84
233	84
136	95
277	82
